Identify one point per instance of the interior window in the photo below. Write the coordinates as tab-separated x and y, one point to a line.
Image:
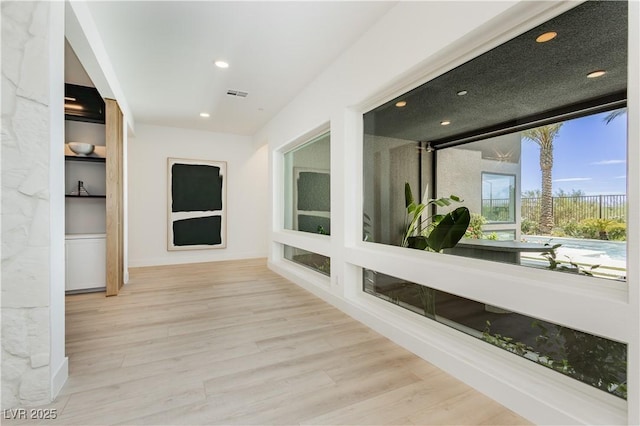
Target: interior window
596	361
307	187
314	261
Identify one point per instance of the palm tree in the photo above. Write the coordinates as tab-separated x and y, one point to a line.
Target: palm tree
544	137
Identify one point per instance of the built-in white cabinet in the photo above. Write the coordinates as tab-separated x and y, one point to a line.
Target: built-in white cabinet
85	268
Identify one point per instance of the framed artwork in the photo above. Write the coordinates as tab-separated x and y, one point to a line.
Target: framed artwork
312	200
197	198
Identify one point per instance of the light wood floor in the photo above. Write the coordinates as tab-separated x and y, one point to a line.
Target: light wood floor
234	343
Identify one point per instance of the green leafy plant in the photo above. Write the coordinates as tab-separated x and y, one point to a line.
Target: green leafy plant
600	362
436	231
617	231
474	231
551	255
604	229
504	342
597	228
529	227
572	229
555	265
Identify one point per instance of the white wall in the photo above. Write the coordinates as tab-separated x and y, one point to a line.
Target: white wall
246	193
413	43
74	72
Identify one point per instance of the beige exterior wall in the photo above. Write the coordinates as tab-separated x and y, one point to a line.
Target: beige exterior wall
459	172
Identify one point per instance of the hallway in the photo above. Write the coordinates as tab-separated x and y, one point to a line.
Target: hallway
234	343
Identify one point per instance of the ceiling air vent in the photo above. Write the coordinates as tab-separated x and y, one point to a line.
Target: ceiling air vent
237	93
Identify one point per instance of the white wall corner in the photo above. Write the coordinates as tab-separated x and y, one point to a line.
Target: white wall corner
57	201
59	377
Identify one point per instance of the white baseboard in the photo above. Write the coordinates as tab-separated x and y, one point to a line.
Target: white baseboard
180	258
59	378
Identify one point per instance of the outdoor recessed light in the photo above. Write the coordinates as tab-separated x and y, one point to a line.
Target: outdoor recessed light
221	64
205	115
462	93
445	123
596	74
401	104
543	38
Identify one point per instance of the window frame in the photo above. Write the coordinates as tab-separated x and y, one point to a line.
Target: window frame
500	222
280	235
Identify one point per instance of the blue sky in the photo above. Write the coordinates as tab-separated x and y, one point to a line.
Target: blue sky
589	155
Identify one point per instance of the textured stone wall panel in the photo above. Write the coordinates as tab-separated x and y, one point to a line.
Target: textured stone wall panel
25	279
14	333
26	375
31	126
31	84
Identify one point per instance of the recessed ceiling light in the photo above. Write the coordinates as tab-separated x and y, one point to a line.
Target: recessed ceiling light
545	37
205	115
445	123
462	93
595	74
401	104
221	64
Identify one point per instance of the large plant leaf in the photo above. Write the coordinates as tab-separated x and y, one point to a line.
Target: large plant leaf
415	212
450	229
408	196
419	242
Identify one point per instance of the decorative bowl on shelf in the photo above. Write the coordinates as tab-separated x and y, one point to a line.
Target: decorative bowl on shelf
81	148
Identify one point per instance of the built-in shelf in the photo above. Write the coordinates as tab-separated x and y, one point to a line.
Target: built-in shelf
85	196
83	119
82	158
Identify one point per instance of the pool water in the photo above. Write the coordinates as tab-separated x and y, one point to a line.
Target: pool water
615	250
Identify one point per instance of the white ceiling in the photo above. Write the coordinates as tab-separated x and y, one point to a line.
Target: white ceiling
163	52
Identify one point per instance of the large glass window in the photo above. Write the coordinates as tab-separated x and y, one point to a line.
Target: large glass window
596	361
307	187
583	228
498	197
315	261
533	144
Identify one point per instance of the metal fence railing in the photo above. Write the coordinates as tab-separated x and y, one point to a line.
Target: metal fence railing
498	209
578	208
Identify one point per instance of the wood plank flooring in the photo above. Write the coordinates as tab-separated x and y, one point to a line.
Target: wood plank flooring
234	343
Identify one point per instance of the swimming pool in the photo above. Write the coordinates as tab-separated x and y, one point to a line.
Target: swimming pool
614	250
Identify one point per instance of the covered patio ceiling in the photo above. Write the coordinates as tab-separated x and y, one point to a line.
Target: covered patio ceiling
519	83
